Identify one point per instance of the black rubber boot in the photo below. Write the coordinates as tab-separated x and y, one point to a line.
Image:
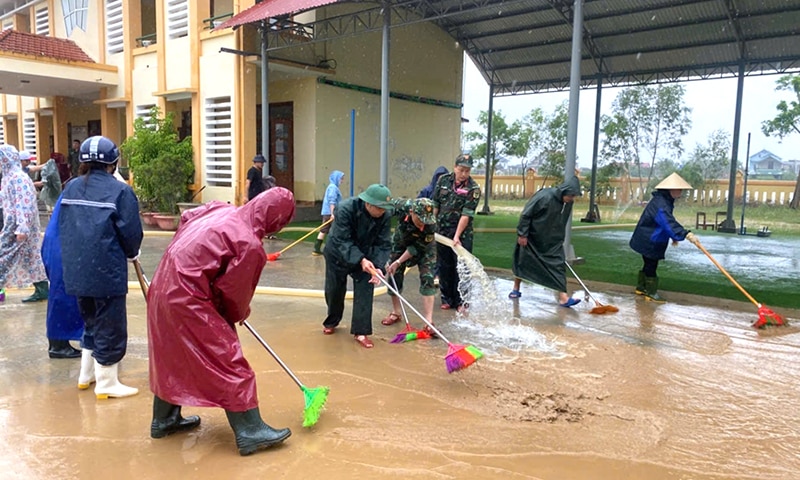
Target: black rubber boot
41	292
651	284
167	419
62	349
641	288
317	248
252	433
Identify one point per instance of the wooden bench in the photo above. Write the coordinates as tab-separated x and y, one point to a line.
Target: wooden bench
701	222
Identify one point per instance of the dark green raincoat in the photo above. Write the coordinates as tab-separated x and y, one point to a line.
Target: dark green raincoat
544	221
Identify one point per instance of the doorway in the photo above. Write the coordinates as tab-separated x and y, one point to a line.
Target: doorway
281	143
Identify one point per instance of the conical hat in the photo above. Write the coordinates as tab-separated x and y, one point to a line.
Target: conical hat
674	182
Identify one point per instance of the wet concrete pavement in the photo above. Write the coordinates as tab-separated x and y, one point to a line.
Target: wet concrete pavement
684	390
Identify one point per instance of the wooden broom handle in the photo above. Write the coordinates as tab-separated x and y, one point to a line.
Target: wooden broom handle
725	272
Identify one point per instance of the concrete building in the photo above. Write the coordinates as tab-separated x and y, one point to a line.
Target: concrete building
73	68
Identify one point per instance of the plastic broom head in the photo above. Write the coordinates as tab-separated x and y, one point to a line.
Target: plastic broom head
603	309
410	336
315	403
768	317
460	357
271	257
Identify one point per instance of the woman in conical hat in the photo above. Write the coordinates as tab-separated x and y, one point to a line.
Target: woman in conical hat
656	227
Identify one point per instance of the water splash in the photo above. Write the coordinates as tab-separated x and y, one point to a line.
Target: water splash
488	318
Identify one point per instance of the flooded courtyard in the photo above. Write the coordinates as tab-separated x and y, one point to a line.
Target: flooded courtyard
684	390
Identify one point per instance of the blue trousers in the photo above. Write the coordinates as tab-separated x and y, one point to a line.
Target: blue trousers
106	327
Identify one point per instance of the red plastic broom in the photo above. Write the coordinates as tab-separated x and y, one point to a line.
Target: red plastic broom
408	334
765	315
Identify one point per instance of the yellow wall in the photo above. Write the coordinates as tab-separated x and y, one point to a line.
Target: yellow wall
178	63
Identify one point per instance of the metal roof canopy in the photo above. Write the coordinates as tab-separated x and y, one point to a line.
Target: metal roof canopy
524	46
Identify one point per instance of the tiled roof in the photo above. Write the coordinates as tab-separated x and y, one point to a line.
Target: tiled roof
42	46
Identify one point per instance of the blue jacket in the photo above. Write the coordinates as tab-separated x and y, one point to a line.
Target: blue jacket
332	193
657	226
427	192
100	229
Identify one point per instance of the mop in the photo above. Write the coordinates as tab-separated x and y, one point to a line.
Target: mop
599	309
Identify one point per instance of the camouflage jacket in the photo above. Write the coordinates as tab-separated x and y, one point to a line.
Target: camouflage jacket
453	201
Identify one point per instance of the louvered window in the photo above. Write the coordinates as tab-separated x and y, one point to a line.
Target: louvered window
42	19
143	112
114	39
218	142
29	135
7	24
177	18
2	132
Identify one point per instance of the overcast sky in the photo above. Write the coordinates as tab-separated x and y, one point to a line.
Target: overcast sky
712	102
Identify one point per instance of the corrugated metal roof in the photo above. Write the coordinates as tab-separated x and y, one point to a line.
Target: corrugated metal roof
523	46
42	46
272	9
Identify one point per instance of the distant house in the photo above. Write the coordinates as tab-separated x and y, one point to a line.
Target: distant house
767	164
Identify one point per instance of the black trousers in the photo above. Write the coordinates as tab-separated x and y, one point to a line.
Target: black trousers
650	266
448	273
335	291
106	329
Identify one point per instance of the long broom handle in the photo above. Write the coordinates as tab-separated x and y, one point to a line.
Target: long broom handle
305	236
146	286
274	355
581	282
725	272
403	300
402	306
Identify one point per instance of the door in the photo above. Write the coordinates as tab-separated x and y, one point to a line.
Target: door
281	144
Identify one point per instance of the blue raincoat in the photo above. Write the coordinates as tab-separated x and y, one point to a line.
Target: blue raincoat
657	226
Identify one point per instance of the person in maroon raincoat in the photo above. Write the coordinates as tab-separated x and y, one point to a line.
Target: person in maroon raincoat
201	289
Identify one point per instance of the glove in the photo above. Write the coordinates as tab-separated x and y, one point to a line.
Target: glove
133	259
692	238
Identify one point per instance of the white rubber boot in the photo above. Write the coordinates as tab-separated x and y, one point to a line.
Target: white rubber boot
108	384
86	377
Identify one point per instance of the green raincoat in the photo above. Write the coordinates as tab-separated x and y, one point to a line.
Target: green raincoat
544	221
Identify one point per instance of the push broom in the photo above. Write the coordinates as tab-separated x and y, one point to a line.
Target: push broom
599	308
765	315
271	257
458	357
315	398
408	334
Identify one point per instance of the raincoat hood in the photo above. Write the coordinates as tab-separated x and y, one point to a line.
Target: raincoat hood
269	211
570	187
9	159
336	177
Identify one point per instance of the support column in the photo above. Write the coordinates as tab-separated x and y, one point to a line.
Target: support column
109	120
60	133
572	123
729	224
593	215
387	20
487	191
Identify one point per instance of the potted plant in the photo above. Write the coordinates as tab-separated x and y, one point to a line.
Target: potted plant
161	164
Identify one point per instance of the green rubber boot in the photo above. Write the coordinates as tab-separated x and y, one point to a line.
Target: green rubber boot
41	292
641	289
317	248
651	285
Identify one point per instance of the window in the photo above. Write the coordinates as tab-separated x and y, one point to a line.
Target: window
2	132
75	12
144	112
29	134
42	19
177	18
114	39
218	142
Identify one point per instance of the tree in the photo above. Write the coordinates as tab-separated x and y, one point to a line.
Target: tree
503	136
528	143
708	162
786	121
647	125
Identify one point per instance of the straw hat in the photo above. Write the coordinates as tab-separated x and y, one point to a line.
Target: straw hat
674	182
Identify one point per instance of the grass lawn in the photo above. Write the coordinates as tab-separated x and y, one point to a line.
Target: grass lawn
609	259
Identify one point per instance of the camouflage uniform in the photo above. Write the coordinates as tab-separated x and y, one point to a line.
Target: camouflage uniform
419	243
453	201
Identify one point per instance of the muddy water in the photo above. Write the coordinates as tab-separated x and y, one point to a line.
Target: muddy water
684	390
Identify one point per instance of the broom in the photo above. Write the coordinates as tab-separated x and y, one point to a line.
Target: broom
458	357
765	315
315	398
271	257
599	308
408	334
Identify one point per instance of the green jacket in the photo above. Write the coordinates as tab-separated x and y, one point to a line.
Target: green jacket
355	235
